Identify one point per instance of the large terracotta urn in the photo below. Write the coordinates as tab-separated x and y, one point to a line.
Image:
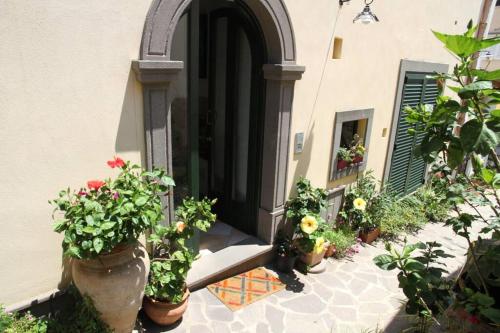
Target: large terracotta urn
115	282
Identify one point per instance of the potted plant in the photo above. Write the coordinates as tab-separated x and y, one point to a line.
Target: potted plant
357	150
310	240
286	253
166	292
368	231
101	225
344	158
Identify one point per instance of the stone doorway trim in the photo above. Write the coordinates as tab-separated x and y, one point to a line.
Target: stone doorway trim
155	70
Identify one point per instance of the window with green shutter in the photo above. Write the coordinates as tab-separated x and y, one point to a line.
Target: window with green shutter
407	172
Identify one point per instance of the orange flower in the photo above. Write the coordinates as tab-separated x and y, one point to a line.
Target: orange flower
180	226
95	184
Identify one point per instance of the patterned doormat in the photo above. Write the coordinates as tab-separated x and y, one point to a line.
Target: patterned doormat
243	289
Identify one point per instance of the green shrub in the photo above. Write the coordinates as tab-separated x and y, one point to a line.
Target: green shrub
344	239
396	216
435	205
79	317
16	323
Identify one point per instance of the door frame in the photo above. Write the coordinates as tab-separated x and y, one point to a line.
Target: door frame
155	70
404	67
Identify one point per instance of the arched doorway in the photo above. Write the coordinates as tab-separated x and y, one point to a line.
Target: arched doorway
245	73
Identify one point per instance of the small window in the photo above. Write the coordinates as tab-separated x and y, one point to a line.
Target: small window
350	142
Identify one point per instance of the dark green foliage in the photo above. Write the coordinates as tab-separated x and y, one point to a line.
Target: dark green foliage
309	201
79	317
420	277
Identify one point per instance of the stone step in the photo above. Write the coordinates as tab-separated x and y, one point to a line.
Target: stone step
232	260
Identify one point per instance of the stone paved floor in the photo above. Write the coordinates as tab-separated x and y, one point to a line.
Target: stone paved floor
352	295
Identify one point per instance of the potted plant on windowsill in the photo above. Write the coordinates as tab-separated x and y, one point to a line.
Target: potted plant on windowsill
286	253
344	158
101	225
166	292
358	153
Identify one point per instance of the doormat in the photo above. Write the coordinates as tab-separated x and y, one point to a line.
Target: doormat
243	289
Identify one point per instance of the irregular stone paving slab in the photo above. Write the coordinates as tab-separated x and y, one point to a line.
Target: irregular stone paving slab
351	296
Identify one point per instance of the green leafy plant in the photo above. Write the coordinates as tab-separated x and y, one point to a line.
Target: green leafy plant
436	206
421	279
304	212
357	203
344	239
397	216
309	201
172	258
344	154
476	139
111	212
79	315
17	323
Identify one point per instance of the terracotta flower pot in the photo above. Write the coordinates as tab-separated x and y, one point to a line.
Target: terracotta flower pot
312	258
357	159
330	250
165	313
341	164
115	282
285	264
370	236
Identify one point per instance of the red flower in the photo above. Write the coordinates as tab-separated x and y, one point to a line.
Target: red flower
117	162
95	184
473	320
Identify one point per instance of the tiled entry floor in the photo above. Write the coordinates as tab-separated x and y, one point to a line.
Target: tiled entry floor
351	296
220	236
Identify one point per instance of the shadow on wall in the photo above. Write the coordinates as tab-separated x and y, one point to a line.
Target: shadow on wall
130	136
303	159
66	276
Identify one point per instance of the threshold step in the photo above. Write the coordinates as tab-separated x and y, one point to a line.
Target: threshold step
232	260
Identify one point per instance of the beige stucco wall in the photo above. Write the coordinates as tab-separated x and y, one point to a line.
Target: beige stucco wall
68	101
367	74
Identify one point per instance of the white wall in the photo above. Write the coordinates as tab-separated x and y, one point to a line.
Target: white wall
69	102
367	74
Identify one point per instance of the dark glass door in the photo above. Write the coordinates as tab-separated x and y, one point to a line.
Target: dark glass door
234	117
219	125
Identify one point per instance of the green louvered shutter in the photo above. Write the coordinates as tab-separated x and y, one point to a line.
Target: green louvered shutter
407	172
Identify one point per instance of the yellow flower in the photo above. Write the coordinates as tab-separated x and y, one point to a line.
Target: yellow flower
359	204
320	245
308	224
180	226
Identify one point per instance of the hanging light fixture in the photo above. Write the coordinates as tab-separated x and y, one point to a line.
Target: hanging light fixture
366	16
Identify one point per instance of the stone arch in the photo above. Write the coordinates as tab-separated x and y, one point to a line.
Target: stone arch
271	15
155	70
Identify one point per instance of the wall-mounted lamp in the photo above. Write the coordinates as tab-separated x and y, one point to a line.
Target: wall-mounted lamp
366	16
